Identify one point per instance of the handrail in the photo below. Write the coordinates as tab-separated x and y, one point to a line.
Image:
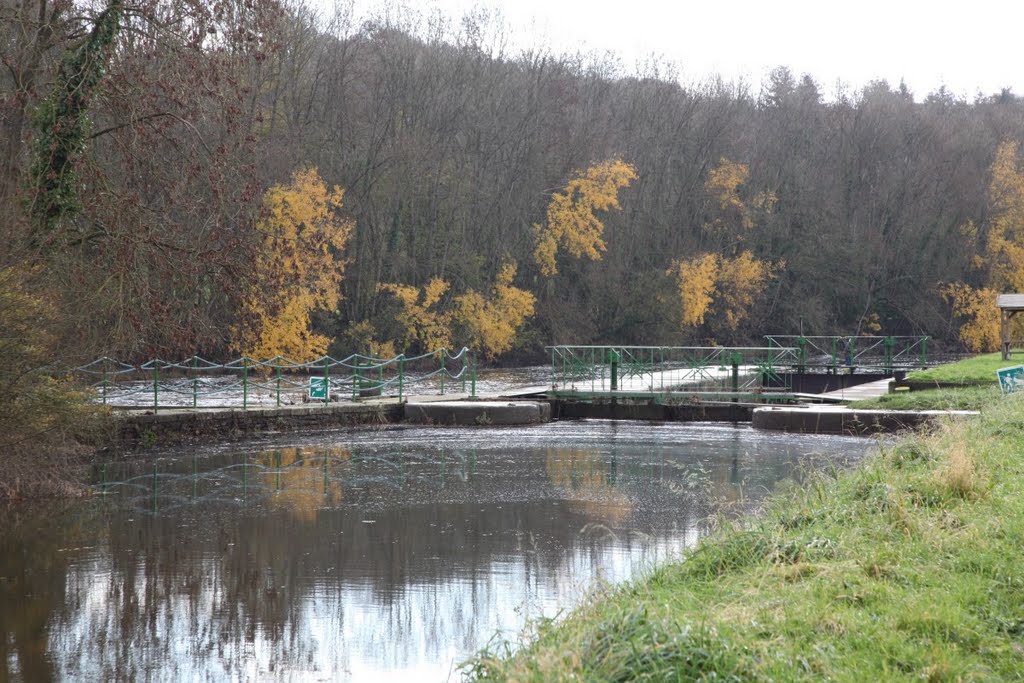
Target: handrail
195	377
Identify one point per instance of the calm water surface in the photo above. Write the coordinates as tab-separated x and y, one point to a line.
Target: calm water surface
371	555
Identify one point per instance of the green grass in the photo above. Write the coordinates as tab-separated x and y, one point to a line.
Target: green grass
976	370
905	568
960	398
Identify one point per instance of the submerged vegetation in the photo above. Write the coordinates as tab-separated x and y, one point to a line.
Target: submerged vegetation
905	568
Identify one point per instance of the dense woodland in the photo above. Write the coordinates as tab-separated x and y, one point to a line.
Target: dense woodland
258	177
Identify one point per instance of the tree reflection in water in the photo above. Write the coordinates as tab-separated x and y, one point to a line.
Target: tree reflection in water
390	555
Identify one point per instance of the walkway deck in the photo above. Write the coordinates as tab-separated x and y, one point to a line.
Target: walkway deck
860	392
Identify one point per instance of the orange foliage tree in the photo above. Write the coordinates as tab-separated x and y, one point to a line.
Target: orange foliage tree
571	223
299	269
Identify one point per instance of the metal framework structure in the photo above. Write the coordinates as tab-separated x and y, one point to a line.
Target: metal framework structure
246	382
835	353
641	370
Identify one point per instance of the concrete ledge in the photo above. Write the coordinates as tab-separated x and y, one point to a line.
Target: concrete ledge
478	412
171	426
837	420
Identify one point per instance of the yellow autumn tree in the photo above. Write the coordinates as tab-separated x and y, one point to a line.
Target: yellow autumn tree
492	323
695	280
1001	258
726	284
740	280
423	321
571	221
723	185
299	269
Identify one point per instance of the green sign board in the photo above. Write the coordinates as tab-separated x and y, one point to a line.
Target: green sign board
319	389
1011	379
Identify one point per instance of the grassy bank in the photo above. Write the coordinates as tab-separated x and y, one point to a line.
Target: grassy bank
906	568
960	398
977	370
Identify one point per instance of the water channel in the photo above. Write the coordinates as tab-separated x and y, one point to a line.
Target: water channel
389	554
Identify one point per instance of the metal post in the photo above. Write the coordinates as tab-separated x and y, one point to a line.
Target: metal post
277	362
801	344
195	381
245	383
736	358
888	345
924	353
465	370
356	380
156	386
661	364
835	355
327	381
401	375
444	372
104	386
614	358
472	386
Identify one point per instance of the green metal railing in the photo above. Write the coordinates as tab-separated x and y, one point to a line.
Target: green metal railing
247	382
663	369
871	353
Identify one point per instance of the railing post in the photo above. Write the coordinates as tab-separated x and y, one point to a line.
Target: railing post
613	358
835	355
444	352
195	381
735	360
277	363
465	370
104	385
888	346
472	386
801	344
245	383
356	380
401	375
327	381
156	386
924	353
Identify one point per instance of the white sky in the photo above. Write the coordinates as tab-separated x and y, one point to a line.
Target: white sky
966	46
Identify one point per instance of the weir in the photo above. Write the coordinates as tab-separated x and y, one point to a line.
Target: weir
196	398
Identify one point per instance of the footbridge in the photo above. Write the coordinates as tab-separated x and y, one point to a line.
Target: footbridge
774	372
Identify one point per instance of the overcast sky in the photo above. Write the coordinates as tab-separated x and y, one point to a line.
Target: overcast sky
966	46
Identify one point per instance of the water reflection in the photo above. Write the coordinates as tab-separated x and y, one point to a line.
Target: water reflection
365	555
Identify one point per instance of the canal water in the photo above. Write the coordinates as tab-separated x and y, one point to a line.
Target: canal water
390	554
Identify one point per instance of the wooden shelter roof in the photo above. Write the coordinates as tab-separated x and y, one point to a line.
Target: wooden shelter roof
1010	301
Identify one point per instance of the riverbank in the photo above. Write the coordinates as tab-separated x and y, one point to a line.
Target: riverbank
904	568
